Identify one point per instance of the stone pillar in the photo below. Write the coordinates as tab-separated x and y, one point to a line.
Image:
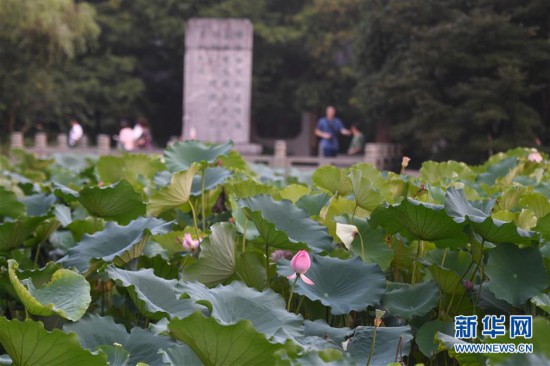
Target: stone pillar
62	141
374	155
103	144
17	140
40	141
279	160
84	142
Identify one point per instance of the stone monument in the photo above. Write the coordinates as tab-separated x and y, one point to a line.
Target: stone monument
218	81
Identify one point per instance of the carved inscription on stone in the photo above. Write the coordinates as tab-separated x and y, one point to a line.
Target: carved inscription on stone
218	78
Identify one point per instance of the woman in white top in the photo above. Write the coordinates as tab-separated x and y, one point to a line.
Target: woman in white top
76	133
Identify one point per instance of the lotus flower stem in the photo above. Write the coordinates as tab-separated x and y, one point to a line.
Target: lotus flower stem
371	353
194	218
362	246
267	264
300	304
415	262
244	234
291	293
203	206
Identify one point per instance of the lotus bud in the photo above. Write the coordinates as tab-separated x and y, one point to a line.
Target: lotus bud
300	264
189	244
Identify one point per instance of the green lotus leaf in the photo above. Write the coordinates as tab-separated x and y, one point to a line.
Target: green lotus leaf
248	188
510	281
344	285
459	261
313	203
179	355
117	202
143	346
116	355
283	225
409	301
529	359
217	261
540	341
421	221
129	167
175	194
446	343
251	269
496	170
182	154
536	202
213	177
234	161
385	346
425	336
74	162
38	204
14	233
487	300
28	344
332	179
364	194
115	243
448	280
236	302
64	193
490	229
10	206
543	227
542	301
63	214
293	192
320	328
66	295
437	172
235	344
374	244
154	297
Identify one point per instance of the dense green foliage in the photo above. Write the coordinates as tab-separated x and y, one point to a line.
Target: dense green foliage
448	79
183	259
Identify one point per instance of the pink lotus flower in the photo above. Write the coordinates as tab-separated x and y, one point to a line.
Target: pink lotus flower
189	244
300	264
535	157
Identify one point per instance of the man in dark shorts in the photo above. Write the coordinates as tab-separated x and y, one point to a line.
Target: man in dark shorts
328	129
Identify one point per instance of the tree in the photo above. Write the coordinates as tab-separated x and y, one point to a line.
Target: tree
35	37
455	79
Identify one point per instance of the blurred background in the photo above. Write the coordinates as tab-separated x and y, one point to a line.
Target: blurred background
448	79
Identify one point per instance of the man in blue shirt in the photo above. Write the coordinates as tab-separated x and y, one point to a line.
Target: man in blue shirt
328	129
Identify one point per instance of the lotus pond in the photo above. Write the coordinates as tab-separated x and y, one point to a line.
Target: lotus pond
196	257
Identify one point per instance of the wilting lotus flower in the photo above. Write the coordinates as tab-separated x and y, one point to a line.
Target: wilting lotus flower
535	157
189	244
300	264
346	233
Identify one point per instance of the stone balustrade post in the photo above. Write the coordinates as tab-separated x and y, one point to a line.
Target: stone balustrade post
103	144
279	160
62	141
17	140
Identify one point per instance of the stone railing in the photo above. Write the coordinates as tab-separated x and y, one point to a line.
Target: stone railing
383	156
41	146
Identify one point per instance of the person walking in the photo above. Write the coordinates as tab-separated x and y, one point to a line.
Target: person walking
328	129
76	133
